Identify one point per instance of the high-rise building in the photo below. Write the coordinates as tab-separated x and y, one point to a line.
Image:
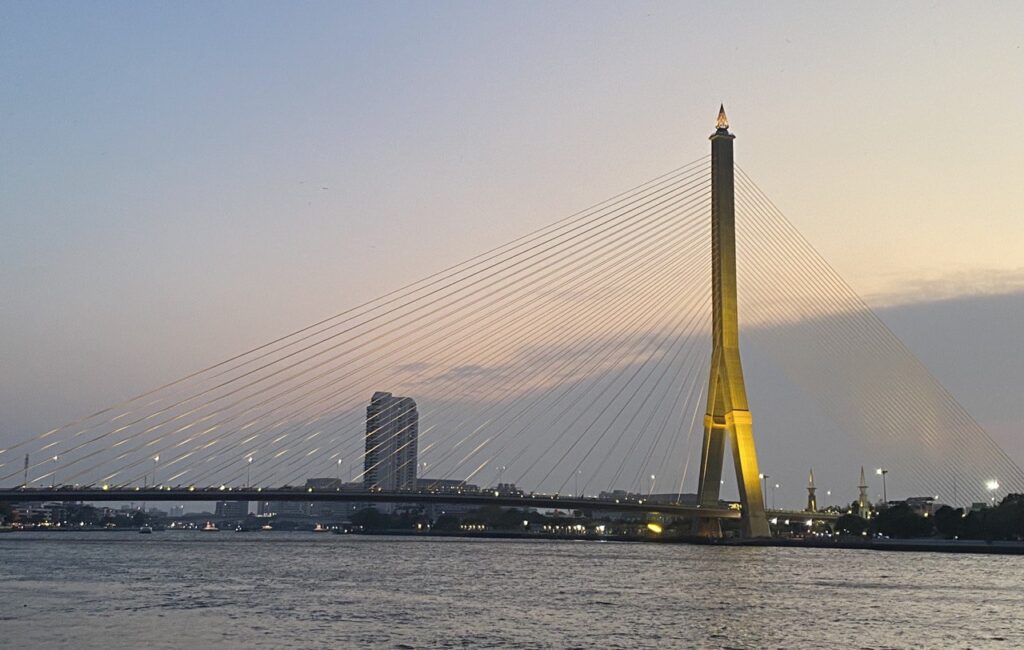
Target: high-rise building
392	430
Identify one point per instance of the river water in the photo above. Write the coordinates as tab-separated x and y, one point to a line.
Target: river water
178	589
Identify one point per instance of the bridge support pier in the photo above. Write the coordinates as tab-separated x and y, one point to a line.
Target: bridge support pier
727	420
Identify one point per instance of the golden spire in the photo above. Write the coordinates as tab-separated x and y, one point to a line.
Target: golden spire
723	121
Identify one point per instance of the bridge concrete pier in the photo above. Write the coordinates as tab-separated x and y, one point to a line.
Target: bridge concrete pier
727	420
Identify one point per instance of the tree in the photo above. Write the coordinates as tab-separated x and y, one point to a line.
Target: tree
447	523
851	524
902	522
370	519
948	521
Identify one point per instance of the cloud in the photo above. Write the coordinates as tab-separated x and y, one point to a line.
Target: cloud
949	285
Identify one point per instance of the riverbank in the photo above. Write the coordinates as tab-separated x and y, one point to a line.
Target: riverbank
911	545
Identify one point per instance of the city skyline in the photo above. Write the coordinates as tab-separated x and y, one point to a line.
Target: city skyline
175	313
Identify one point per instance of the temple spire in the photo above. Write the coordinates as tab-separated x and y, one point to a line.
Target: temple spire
812	500
863	501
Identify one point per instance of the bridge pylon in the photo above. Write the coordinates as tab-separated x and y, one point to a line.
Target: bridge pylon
727	419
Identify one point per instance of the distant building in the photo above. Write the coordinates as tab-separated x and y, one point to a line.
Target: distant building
232	509
392	431
925	506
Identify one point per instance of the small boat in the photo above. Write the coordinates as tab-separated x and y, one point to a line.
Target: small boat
320	528
266	527
210	527
145	530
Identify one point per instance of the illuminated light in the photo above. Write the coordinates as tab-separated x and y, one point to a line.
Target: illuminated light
191	488
654	528
105	487
774	520
992	484
810	522
309	490
722	122
222	488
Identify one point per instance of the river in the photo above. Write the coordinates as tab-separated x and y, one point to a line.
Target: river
177	589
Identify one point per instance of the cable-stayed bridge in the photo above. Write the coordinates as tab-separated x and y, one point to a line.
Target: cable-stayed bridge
572	361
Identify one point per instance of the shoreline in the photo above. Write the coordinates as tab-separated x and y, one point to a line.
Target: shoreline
895	545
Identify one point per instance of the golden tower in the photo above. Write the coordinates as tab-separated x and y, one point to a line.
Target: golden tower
728	416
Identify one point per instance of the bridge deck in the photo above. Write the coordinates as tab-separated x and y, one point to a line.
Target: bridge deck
302	494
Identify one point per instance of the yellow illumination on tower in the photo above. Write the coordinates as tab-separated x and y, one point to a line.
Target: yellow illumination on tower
727	421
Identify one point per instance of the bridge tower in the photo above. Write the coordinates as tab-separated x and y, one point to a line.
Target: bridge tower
727	420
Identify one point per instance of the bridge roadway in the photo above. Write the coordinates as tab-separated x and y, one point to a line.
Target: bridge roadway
304	494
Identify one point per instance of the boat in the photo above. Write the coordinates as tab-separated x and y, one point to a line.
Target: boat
145	530
266	527
209	527
320	528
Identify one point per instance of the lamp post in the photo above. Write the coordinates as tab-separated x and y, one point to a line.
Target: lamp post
773	495
248	472
764	497
156	462
992	485
53	479
881	471
651	491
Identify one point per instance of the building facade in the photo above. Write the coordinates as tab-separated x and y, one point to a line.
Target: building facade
392	431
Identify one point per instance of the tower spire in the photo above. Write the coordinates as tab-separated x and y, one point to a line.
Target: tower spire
863	501
812	501
727	421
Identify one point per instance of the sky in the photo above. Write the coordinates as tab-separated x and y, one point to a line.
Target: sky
183	181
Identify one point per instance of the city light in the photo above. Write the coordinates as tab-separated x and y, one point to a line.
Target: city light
654	528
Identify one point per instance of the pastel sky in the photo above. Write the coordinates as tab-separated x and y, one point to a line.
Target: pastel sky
182	181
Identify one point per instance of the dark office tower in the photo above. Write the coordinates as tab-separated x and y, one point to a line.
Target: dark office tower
392	429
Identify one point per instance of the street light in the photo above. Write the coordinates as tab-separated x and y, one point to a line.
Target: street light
881	471
652	486
764	497
53	479
773	495
992	485
156	460
248	472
